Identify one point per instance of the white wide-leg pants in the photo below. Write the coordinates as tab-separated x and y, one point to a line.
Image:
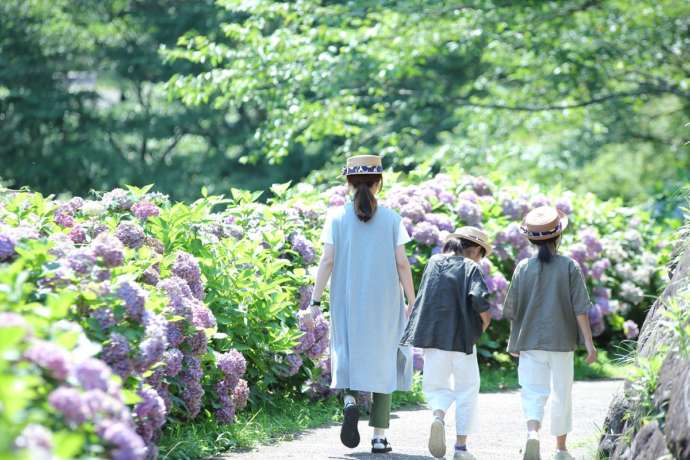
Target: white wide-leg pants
439	368
543	374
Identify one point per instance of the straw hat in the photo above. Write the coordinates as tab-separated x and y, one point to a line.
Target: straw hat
475	235
363	164
544	223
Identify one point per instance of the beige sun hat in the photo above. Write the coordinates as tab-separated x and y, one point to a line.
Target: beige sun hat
543	223
363	164
475	235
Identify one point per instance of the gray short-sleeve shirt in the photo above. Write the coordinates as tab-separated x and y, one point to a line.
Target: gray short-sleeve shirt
542	304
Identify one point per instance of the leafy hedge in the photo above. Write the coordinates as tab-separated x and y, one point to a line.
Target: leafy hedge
125	312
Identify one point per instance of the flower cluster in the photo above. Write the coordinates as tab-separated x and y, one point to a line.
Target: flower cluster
232	390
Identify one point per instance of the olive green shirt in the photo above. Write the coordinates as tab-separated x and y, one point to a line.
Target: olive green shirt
542	304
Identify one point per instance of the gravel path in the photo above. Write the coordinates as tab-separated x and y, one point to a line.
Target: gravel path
500	431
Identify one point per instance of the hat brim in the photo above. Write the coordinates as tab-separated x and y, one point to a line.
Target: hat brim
564	224
487	247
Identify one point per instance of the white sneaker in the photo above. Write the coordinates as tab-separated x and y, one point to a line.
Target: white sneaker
437	438
532	450
463	455
563	455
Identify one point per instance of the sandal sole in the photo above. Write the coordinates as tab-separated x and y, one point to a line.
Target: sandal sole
349	434
532	450
437	439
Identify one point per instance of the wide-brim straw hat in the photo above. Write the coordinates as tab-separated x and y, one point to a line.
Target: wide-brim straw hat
363	164
475	235
543	223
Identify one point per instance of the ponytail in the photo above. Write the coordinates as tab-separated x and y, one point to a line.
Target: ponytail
364	201
545	255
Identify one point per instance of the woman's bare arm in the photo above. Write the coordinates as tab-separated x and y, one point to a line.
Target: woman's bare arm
324	271
405	274
486	320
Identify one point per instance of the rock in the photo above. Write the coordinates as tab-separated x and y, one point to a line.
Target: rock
670	371
649	444
677	429
614	425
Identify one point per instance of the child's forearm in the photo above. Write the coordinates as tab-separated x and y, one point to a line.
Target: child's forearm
585	329
486	320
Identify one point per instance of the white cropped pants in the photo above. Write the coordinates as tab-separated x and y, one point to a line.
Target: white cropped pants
543	374
440	367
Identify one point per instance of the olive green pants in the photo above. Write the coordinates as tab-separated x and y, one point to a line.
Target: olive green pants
380	416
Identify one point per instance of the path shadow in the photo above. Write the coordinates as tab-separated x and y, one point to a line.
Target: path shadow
390	456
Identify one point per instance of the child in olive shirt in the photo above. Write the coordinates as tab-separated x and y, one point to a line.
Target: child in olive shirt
547	305
449	316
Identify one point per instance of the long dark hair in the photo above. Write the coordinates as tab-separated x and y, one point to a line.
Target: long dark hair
458	246
545	255
365	201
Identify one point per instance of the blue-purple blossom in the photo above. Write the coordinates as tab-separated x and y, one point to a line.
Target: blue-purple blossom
116	354
294	363
78	234
599	267
127	444
109	249
145	209
426	233
117	199
187	268
469	213
134	298
37	440
630	329
303	247
226	412
202	316
441	221
596	320
481	186
564	205
150	413
231	363
240	394
51	357
192	392
93	374
131	235
417	359
305	293
173	362
539	201
155	341
69	403
414	210
175	333
7	244
81	261
151	275
197	343
515	209
63	218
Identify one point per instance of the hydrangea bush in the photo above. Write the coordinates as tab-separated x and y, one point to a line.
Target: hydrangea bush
123	312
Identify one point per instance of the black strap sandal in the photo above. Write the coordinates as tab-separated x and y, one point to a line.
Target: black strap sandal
380	450
349	433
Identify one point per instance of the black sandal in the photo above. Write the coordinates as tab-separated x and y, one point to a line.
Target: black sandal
380	450
349	434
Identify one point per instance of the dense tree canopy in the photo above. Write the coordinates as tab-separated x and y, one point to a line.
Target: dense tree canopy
559	85
245	94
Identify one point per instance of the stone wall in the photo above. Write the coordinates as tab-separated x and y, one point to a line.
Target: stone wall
669	437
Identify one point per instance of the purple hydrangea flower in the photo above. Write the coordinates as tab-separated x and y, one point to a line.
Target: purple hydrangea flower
7	244
578	252
128	445
202	316
630	329
151	275
336	200
134	298
198	343
92	374
515	209
109	249
69	403
63	218
596	321
153	346
175	333
145	209
441	221
37	440
116	354
232	363
469	195
78	234
226	412
187	268
426	233
469	213
173	362
150	413
303	247
240	395
118	199
305	293
131	235
294	362
418	359
603	304
591	241
50	357
414	211
599	267
81	262
539	201
481	186
564	205
192	392
155	244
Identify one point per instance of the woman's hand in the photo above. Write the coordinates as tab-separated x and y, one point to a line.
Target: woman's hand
515	355
408	309
592	353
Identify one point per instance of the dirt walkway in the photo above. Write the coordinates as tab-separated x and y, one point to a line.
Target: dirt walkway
500	432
